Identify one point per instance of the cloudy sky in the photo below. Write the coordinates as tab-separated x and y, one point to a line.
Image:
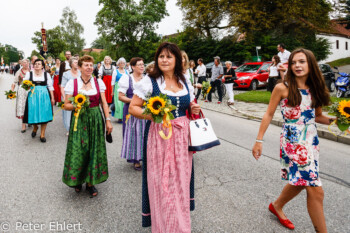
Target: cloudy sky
21	18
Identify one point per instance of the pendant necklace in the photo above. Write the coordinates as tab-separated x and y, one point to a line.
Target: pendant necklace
85	83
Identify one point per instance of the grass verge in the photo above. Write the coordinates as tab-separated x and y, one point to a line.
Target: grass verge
264	97
340	62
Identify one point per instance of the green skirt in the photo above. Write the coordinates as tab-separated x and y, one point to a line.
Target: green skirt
119	105
86	155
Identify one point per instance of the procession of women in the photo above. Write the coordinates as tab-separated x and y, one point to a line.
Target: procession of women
155	105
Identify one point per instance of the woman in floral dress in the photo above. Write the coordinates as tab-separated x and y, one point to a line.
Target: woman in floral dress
21	93
301	99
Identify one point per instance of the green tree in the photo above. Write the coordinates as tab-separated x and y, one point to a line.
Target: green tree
55	41
204	15
130	25
10	53
72	31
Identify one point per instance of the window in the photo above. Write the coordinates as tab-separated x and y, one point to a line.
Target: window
346	45
337	44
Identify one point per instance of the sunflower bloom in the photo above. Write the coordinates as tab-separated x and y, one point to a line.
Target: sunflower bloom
344	108
156	104
80	99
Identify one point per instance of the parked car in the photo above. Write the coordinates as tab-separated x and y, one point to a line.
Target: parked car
329	76
210	65
252	75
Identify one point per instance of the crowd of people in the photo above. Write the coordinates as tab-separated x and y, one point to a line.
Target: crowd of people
167	165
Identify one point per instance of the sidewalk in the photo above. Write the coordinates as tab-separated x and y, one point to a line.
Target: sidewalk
255	111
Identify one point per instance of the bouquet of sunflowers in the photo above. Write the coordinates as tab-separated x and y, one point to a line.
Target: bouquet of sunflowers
342	111
205	89
160	108
80	102
60	105
10	94
26	85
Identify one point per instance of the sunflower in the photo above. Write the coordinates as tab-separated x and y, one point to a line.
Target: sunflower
80	99
62	106
155	104
26	82
344	108
11	96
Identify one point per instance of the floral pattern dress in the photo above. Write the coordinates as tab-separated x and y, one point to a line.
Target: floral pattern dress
299	151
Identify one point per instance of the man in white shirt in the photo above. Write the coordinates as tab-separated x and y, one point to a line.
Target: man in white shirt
201	72
283	53
284	56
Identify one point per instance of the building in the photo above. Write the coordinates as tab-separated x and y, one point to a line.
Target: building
339	37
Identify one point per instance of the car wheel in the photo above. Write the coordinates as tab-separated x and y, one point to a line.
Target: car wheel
253	85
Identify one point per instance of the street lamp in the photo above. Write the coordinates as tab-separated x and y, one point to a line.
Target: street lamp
257	53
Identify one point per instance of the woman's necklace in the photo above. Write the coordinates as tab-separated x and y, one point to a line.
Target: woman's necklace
87	82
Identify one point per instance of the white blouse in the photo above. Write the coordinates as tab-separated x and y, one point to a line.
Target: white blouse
40	79
69	89
144	88
274	71
124	83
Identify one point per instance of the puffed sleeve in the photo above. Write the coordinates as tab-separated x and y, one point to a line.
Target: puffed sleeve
49	82
64	79
114	76
100	71
17	76
190	87
123	84
101	85
69	89
143	88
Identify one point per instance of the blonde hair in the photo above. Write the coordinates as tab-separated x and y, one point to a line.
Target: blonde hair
228	62
187	63
107	57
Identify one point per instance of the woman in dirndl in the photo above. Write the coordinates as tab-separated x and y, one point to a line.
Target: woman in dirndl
167	174
106	73
86	155
118	105
71	74
133	128
38	110
21	93
55	73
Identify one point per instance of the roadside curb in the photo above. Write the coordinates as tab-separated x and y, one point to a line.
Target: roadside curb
321	133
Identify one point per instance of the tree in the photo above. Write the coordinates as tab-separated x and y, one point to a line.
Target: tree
130	26
55	41
72	31
204	15
10	53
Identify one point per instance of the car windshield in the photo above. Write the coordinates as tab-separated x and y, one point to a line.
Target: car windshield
248	68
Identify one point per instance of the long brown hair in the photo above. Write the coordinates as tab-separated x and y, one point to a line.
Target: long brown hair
277	60
315	82
173	49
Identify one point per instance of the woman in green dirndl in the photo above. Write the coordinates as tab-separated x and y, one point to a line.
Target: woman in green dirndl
86	155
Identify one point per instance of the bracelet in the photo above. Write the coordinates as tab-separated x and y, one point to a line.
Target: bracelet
108	119
261	141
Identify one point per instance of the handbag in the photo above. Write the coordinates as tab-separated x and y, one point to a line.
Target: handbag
202	135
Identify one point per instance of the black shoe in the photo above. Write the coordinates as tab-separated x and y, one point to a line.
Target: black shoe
33	134
43	139
92	190
23	131
78	188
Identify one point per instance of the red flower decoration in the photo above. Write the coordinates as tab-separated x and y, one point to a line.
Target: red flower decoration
300	156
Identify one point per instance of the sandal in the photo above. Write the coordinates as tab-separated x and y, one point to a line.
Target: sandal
78	188
92	190
137	168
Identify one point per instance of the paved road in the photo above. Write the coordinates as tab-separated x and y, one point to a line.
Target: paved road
232	189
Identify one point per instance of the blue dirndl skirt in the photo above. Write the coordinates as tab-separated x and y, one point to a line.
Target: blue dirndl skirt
38	108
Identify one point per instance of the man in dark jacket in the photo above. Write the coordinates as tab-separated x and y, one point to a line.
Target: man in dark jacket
64	66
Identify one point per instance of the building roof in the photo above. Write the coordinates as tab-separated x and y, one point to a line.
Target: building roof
88	50
337	27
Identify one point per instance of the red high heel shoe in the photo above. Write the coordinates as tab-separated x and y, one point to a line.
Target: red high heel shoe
285	222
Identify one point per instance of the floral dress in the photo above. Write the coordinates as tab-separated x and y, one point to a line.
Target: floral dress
299	152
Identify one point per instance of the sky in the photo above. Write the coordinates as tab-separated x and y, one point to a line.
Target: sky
19	19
